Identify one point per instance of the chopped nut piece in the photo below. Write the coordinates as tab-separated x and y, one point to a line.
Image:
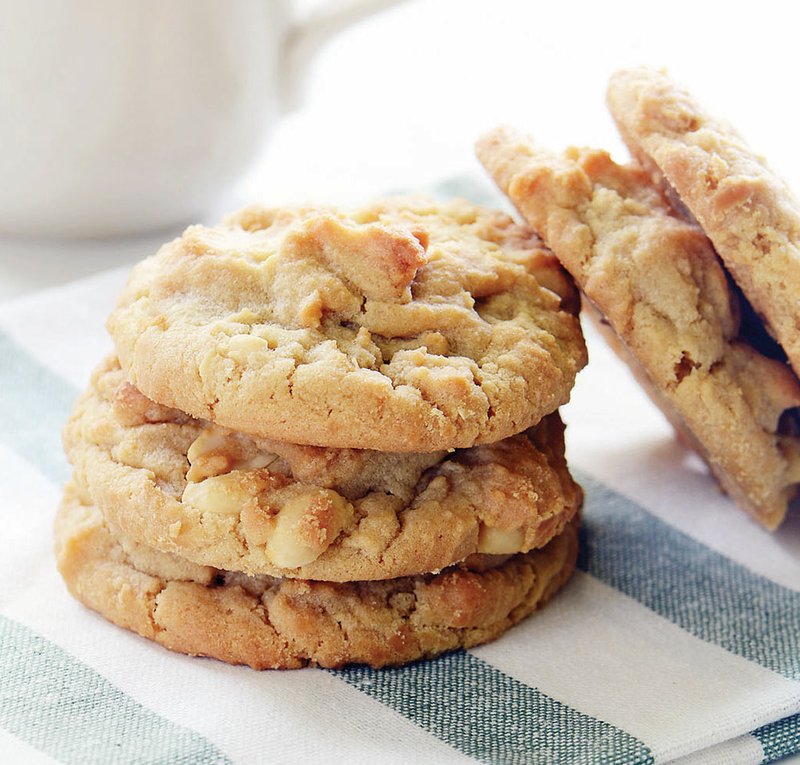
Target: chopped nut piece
217	450
306	525
134	408
217	494
499	541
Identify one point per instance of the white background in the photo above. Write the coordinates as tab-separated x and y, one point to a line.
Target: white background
398	100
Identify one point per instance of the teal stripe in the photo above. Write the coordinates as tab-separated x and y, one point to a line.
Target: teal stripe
705	593
34	405
779	739
48	698
64	708
488	715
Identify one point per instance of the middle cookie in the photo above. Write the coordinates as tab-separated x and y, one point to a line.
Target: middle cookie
224	499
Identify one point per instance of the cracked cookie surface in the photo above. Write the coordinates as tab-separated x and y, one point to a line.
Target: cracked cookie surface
290	623
747	211
408	325
221	498
654	279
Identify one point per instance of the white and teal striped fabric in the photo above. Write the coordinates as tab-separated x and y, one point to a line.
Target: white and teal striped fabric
677	641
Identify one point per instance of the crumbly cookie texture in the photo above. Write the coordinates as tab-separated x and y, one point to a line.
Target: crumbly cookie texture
409	325
290	623
221	498
749	213
655	280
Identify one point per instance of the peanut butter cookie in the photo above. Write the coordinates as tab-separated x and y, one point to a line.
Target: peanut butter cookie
220	498
408	325
746	210
654	279
290	623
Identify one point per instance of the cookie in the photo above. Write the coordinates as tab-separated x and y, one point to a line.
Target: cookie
656	282
224	499
749	213
289	623
409	325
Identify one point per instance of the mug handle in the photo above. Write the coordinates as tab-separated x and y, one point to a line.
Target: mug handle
307	36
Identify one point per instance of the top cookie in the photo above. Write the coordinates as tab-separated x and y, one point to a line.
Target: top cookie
745	209
408	325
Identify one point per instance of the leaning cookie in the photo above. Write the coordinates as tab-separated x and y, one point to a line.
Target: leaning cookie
224	499
749	213
290	623
408	325
655	280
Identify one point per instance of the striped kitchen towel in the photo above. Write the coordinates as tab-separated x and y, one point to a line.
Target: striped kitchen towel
678	640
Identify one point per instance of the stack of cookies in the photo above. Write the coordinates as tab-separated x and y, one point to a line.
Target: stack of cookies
329	438
689	260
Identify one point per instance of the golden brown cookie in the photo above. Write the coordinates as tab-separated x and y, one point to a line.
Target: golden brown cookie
408	325
290	623
749	213
224	499
655	280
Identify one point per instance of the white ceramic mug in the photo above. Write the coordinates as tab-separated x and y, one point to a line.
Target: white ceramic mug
121	116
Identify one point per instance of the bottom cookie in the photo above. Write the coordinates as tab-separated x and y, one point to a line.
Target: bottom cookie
290	623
